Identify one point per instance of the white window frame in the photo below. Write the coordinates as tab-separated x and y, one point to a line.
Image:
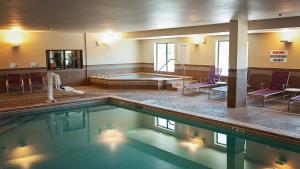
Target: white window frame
166	57
224	72
167	127
216	142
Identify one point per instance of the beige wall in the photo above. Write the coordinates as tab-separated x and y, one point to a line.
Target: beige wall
260	45
120	51
34	44
33	47
202	54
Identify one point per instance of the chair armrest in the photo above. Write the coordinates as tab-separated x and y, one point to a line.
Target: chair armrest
22	82
262	86
284	86
44	80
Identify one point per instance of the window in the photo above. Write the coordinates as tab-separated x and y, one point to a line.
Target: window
222	60
64	59
220	139
165	123
162	53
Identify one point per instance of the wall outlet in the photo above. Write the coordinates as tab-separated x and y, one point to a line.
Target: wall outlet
12	65
33	64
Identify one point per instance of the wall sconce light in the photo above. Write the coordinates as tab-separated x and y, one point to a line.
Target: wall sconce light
15	36
287	36
198	39
16	47
23	143
107	38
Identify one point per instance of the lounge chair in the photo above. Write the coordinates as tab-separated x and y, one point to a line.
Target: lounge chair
36	80
14	81
294	101
213	77
223	90
278	84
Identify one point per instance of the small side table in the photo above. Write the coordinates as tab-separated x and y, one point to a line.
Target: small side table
292	91
221	83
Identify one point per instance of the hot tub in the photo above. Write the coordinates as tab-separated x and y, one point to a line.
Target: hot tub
137	80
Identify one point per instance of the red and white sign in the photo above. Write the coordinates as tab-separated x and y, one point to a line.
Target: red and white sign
278	56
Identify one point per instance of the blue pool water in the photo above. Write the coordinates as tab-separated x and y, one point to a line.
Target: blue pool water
111	137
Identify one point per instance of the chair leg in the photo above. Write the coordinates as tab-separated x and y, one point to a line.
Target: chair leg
264	101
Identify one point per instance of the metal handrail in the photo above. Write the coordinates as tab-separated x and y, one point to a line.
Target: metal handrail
183	77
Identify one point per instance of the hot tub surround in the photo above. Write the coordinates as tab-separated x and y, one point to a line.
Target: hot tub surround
139	80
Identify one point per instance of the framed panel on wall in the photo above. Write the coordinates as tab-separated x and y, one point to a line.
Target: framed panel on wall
64	59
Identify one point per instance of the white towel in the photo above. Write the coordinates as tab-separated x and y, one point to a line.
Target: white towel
57	83
71	89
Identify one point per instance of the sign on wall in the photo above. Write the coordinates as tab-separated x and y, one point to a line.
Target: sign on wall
278	56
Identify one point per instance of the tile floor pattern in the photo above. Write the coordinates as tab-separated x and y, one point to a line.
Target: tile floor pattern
273	116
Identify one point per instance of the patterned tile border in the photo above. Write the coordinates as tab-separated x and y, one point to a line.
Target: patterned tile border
236	126
42	107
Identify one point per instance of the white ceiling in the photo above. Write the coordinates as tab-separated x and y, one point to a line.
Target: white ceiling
134	15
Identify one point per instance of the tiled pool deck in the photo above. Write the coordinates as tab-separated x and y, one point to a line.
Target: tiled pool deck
274	117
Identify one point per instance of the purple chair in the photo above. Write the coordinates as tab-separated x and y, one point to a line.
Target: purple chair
294	101
278	84
36	80
14	81
213	77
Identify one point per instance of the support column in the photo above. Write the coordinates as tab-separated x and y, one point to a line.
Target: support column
238	58
235	152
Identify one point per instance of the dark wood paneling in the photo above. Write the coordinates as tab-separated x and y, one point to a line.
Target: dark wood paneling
78	76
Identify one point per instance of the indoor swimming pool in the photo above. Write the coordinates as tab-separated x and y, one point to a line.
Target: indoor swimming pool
111	136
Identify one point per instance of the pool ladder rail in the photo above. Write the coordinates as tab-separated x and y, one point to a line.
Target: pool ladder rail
183	73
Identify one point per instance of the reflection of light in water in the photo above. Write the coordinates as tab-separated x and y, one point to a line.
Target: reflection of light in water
26	162
112	138
285	166
22	151
193	144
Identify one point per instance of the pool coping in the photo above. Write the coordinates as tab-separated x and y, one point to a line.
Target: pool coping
174	77
234	125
